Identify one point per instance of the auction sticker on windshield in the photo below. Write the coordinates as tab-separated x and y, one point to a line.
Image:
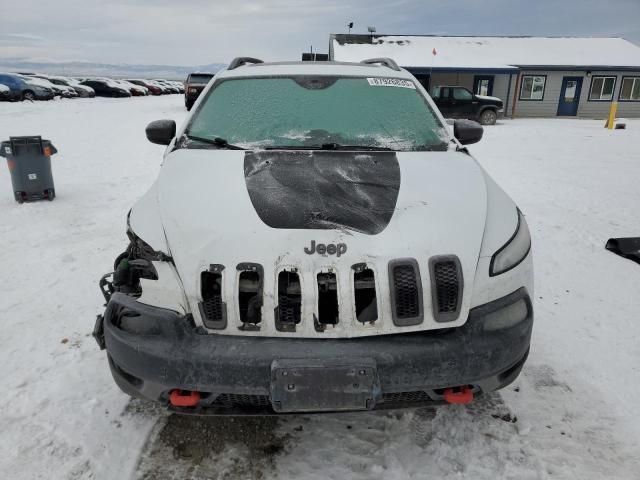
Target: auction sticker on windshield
390	82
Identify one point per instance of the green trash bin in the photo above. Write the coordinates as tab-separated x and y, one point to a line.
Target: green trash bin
29	162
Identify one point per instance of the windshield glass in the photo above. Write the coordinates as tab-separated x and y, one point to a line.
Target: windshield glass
310	112
201	79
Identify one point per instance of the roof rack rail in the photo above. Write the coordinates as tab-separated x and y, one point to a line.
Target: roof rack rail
240	61
387	62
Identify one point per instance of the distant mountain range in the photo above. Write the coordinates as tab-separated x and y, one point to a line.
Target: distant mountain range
173	72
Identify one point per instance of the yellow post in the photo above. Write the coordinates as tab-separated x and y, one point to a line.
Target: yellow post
612	115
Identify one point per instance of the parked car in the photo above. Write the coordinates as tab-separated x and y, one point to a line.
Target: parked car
59	90
135	90
106	88
5	92
165	89
460	102
318	240
153	89
179	86
21	89
82	90
169	85
193	87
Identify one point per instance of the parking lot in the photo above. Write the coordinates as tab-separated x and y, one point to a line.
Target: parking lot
571	414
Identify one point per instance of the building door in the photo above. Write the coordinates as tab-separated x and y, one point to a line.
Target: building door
483	85
569	96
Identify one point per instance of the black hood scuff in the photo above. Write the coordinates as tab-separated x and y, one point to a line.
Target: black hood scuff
323	190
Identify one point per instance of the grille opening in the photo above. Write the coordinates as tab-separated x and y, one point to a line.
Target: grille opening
250	297
446	287
407	298
289	301
364	287
446	274
230	400
212	307
417	396
328	313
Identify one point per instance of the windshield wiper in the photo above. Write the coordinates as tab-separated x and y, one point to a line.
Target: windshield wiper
338	146
217	141
329	146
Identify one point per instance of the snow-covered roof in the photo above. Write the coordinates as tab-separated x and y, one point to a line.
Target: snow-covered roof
487	52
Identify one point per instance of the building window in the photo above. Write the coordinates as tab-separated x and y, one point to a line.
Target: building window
483	84
532	87
602	89
630	89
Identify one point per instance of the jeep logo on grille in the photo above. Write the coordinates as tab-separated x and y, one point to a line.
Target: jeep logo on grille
322	249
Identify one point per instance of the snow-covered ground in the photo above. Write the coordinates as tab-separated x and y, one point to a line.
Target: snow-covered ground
571	415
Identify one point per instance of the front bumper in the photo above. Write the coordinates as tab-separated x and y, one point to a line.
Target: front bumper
153	351
192	96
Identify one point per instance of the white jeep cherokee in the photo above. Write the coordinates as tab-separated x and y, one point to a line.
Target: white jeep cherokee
318	240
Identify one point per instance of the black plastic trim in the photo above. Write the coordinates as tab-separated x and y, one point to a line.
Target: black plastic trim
215	324
452	316
183	356
405	322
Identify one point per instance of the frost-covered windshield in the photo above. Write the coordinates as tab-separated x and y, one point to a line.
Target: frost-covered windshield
310	112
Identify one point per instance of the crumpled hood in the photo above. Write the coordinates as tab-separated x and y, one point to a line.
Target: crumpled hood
227	207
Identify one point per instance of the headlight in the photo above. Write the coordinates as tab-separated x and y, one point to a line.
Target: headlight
512	252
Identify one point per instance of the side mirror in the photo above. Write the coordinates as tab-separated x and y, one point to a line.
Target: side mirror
467	131
161	131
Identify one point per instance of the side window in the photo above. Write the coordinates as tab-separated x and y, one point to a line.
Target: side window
532	87
630	90
462	94
602	88
445	92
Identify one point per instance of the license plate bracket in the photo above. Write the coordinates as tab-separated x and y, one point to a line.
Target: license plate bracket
324	386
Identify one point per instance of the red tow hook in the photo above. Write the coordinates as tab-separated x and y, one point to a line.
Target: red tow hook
460	397
184	398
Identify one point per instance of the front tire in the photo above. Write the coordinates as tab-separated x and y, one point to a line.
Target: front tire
28	95
488	117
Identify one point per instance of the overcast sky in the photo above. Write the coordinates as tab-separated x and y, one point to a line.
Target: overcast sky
197	32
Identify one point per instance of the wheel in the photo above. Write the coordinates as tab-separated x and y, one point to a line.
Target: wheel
28	95
19	197
50	194
488	117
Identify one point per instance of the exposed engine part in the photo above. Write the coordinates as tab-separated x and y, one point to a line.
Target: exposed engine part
364	287
328	311
129	267
250	296
289	307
